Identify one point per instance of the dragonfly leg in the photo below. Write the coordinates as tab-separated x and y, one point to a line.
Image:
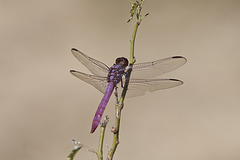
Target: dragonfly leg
122	84
127	70
116	94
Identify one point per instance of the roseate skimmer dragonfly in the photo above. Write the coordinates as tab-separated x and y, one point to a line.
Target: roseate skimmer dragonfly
105	79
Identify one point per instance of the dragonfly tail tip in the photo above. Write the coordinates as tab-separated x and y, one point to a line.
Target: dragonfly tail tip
93	129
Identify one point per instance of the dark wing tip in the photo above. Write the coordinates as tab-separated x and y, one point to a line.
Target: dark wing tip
176	80
71	71
177	57
74	49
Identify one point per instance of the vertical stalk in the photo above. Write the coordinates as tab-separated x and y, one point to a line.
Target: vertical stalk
101	138
132	58
119	106
100	146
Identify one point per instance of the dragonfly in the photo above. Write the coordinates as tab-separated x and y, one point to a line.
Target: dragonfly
142	79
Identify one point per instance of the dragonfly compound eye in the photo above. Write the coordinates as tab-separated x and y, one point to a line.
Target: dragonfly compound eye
122	61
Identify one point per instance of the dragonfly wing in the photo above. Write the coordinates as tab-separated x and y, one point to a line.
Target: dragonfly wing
158	67
94	66
138	87
100	83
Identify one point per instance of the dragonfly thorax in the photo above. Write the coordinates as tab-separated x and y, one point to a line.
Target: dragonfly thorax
115	73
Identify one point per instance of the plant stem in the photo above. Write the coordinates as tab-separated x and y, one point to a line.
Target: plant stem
132	58
100	146
101	138
119	106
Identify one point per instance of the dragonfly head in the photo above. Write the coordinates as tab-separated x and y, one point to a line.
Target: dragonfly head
122	61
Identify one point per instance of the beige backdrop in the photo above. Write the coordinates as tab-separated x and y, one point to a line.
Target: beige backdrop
43	106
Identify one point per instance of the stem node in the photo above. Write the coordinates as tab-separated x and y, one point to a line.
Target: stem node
114	130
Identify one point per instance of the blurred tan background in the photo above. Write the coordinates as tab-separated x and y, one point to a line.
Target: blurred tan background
43	106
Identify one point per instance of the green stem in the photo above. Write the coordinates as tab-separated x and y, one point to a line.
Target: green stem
132	58
100	146
115	131
119	106
101	138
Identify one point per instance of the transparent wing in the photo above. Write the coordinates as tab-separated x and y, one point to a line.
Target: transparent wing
138	87
158	67
100	83
94	66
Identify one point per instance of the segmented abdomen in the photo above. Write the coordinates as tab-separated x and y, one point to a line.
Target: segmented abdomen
102	106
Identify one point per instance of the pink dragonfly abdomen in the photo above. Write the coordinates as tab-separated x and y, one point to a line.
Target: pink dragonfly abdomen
102	106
